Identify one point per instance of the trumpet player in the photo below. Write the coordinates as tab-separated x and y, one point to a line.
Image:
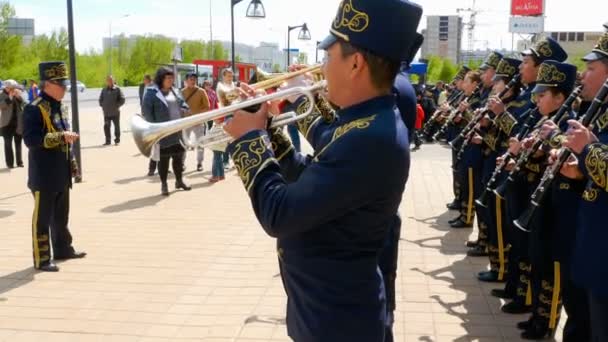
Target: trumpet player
331	212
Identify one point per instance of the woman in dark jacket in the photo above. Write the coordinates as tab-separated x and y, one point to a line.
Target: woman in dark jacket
163	103
11	122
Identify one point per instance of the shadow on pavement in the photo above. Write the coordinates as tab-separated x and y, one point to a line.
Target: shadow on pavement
6	213
151	179
16	279
135	204
460	278
96	147
267	320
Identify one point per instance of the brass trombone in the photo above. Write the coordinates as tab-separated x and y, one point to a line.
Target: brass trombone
147	134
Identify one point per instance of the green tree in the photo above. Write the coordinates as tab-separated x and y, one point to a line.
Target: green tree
6	11
302	58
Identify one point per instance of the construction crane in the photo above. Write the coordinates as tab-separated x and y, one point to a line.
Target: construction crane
470	25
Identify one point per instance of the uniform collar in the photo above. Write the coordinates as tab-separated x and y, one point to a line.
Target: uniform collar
367	108
50	99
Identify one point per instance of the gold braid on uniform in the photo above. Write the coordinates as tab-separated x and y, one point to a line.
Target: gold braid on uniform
280	143
506	122
251	156
53	138
556	139
596	164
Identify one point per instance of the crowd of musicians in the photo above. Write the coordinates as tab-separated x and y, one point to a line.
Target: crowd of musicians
530	161
529	143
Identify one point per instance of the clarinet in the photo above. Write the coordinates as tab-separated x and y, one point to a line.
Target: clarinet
459	143
539	143
429	124
529	125
588	120
505	158
454	113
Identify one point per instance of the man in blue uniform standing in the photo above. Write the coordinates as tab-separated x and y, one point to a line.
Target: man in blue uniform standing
591	149
51	167
331	212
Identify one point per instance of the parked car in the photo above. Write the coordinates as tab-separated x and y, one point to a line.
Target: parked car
79	85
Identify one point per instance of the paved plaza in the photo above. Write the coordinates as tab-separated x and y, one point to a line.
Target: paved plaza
197	266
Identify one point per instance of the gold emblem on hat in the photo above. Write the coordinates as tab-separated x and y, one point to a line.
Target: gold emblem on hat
548	73
543	48
504	68
56	72
493	60
602	45
351	18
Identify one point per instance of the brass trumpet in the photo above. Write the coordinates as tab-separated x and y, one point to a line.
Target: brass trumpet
147	134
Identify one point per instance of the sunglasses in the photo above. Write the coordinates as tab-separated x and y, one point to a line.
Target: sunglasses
59	84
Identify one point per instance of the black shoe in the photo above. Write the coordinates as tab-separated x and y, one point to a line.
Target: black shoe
50	267
150	173
472	244
537	331
455	205
454	219
461	224
73	255
117	143
478	251
500	293
199	167
20	164
489	277
516	308
107	143
525	325
183	186
164	189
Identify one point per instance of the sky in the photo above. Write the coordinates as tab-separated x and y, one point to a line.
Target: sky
190	19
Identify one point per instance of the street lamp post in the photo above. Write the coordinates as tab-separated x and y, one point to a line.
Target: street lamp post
303	35
74	89
255	10
111	43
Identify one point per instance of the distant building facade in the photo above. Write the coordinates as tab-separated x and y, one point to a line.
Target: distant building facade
443	37
22	27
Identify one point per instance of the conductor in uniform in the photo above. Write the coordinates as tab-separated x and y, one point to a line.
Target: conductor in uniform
331	212
51	168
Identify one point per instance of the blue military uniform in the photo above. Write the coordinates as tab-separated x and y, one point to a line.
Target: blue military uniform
590	251
471	168
51	166
331	212
546	269
494	146
518	193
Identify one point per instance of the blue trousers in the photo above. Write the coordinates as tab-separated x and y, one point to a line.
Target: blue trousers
217	170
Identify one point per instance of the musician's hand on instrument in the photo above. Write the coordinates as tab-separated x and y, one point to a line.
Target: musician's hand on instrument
510	165
553	155
578	137
463	106
547	129
500	160
514	146
570	169
70	137
527	143
496	106
244	122
477	139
